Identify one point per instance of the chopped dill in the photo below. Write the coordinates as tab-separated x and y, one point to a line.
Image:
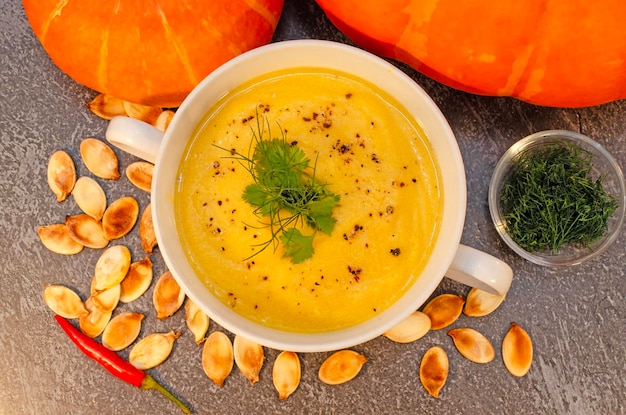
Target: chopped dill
285	193
551	200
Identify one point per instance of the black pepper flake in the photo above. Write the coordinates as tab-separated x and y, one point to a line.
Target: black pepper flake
395	251
327	124
306	119
349	95
356	273
219	203
216	164
375	158
389	210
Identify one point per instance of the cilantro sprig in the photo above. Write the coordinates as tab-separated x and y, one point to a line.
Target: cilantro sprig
285	194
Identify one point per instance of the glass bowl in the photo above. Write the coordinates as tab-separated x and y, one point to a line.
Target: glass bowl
603	165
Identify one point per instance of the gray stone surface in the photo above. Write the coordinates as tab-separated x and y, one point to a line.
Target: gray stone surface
575	316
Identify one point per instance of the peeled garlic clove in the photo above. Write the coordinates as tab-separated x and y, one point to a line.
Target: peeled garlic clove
152	350
99	159
167	296
434	370
111	267
473	345
64	301
122	331
106	106
139	173
286	374
341	367
479	303
93	324
120	217
90	197
145	113
137	280
412	328
146	230
197	321
517	350
56	238
444	310
164	119
249	358
87	231
217	357
106	300
61	174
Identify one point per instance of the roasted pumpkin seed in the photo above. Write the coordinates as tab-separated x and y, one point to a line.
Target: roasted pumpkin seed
217	357
197	321
472	344
85	230
164	119
99	159
145	113
64	301
106	106
56	238
479	303
90	197
61	174
120	217
146	230
152	350
517	350
137	280
111	267
412	328
93	324
139	174
341	367
107	299
249	357
286	374
167	296
434	369
122	330
444	310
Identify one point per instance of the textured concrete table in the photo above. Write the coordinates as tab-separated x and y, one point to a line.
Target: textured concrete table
575	316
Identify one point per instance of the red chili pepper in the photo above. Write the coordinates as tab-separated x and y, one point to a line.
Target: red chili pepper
112	362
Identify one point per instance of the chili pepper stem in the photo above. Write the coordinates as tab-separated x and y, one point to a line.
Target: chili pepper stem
150	383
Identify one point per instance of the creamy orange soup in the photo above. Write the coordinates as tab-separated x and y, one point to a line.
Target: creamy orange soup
368	151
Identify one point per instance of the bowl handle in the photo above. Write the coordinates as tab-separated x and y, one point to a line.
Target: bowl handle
481	270
135	137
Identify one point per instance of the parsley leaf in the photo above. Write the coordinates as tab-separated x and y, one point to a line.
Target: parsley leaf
286	193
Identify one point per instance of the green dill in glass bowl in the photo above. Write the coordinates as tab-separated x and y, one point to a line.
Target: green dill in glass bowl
557	198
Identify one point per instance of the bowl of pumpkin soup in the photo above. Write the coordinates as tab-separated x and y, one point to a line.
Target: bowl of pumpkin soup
309	195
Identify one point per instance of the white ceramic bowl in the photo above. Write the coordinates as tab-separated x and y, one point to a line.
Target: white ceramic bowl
334	56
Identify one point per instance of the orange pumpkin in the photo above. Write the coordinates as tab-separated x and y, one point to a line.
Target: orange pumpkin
562	53
149	52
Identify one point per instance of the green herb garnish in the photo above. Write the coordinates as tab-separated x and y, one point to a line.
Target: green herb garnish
285	193
551	200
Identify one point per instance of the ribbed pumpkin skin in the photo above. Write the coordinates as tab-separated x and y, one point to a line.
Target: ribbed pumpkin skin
150	52
561	53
